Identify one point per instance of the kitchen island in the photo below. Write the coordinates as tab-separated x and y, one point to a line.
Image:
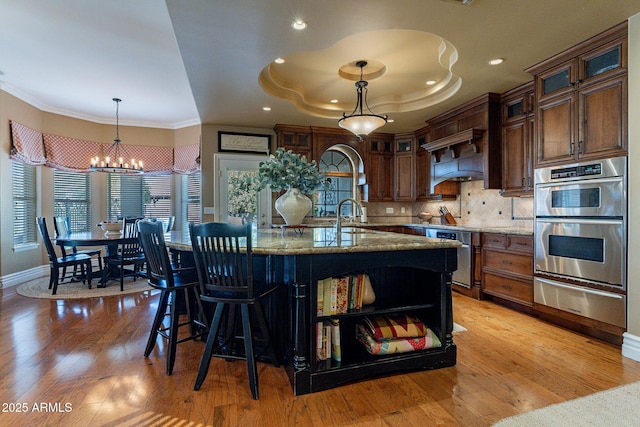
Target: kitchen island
409	275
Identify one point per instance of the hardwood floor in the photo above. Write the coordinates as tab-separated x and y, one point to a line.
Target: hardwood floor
83	360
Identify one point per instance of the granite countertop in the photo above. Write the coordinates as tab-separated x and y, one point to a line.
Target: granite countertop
460	227
319	240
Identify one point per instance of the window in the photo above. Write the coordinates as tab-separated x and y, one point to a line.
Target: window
190	199
72	198
138	195
338	169
24	204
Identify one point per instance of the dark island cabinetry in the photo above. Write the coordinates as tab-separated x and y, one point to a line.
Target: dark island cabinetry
413	282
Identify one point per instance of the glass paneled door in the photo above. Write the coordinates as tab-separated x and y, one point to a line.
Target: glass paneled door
236	200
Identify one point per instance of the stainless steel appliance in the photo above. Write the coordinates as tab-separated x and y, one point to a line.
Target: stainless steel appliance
581	239
462	275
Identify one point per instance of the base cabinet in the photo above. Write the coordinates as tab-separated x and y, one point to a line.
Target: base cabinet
413	282
507	268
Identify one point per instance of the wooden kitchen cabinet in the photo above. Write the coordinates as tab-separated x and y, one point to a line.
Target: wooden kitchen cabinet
518	118
581	97
379	168
507	268
295	138
404	167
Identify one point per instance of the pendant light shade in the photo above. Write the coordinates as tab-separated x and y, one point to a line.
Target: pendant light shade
362	121
116	159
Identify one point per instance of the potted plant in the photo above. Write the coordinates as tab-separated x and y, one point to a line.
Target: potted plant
291	172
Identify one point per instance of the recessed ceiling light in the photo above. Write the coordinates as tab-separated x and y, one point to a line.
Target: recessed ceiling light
266	108
390	120
334	101
496	61
299	24
430	82
279	61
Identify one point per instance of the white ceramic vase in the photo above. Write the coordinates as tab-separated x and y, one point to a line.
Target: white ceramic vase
293	206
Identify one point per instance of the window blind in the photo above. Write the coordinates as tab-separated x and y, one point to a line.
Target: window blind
191	199
24	203
140	195
72	198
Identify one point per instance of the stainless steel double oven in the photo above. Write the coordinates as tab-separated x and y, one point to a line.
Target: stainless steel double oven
581	239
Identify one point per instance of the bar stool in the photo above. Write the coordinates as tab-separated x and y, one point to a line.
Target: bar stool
171	281
226	279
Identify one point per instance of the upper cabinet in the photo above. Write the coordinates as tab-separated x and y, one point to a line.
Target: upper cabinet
518	120
295	138
380	167
405	167
581	97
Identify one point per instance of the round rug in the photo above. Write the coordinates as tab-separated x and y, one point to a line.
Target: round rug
39	288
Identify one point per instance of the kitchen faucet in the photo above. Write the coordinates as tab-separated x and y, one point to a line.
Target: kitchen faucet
355	204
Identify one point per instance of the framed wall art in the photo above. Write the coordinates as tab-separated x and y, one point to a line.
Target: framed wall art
244	142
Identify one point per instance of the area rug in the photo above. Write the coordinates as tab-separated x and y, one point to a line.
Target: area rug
619	406
39	288
458	328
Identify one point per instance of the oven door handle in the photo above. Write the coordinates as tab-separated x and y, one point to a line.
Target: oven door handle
580	288
581	182
606	221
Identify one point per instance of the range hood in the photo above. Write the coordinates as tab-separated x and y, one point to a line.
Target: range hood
466	143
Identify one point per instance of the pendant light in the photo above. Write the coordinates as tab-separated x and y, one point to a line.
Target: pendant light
361	122
116	159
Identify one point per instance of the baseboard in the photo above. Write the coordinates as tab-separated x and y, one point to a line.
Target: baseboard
631	346
14	279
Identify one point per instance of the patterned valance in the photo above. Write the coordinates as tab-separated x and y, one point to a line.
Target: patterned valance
70	154
26	145
186	159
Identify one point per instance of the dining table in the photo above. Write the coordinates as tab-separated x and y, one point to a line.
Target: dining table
110	240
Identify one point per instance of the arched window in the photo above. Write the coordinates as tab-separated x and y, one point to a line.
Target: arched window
338	164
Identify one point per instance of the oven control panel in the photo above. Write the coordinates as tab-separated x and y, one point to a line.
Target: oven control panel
577	171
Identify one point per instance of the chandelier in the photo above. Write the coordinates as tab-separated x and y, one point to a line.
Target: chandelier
116	159
359	122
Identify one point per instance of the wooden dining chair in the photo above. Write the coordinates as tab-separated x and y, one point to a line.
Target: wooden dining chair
129	253
62	262
62	226
179	288
225	271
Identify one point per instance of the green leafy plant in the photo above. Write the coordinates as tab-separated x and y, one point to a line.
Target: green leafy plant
285	170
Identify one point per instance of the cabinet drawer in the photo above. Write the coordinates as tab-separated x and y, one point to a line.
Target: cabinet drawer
508	288
509	262
520	243
494	240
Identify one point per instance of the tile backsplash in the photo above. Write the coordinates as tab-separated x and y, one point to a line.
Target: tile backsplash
475	206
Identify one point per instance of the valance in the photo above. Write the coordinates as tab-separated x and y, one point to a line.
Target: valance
26	145
75	155
70	154
185	159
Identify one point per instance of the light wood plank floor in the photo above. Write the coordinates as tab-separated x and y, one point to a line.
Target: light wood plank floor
83	360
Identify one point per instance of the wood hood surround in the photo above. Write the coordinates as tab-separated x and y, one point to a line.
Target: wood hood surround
465	143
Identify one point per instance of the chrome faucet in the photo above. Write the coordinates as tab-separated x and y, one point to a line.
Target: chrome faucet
355	204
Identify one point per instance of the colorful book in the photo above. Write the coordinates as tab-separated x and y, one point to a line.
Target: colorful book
326	341
320	298
342	295
336	350
320	350
334	295
327	296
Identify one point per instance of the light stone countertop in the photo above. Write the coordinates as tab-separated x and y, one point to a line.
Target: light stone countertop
323	240
460	227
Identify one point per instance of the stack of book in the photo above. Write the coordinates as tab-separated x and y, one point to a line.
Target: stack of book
328	340
339	295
